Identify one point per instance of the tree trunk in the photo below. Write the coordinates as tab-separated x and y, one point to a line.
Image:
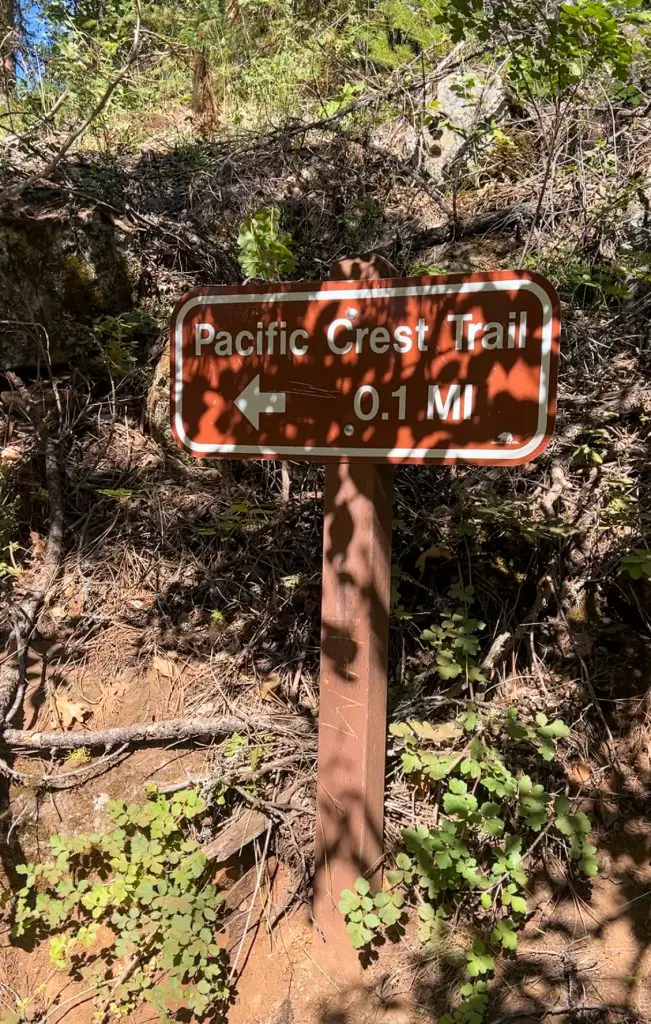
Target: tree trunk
8	46
203	97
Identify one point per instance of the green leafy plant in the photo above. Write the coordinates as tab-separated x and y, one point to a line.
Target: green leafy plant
637	563
621	508
8	566
473	1005
548	56
474	861
144	881
591	450
350	91
265	250
456	639
366	913
118	337
120	494
240	515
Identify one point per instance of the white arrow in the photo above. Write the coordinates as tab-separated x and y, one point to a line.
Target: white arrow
251	402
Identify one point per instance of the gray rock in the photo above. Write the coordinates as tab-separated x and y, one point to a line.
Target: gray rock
467	104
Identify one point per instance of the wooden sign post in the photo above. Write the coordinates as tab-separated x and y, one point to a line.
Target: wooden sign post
353	685
361	375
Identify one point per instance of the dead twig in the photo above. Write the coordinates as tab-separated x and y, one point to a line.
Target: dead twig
208	781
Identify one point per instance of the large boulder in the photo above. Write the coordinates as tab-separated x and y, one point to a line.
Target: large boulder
59	270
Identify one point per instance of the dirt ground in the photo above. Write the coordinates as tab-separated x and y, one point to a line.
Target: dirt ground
167	606
589	946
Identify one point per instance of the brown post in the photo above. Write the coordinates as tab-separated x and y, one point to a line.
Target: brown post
353	689
356	591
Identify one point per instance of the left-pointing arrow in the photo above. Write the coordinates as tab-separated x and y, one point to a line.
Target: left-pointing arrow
252	402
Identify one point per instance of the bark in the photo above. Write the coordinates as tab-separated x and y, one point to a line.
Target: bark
156	732
8	45
203	96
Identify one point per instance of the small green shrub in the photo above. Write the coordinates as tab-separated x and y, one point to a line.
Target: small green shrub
265	250
456	639
366	913
145	881
8	566
471	866
117	338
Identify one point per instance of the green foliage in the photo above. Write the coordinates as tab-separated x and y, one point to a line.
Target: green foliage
591	450
119	494
346	97
87	42
365	913
549	56
145	882
473	1005
473	862
117	339
240	515
397	31
622	506
591	279
265	251
456	639
265	61
637	564
8	566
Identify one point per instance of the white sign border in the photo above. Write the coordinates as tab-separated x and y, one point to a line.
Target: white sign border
461	288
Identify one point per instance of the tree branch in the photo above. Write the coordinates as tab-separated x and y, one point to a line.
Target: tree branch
156	732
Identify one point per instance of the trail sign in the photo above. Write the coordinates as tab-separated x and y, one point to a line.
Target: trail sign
428	369
361	374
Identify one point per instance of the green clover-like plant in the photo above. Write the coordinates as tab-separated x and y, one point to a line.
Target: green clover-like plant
365	913
145	882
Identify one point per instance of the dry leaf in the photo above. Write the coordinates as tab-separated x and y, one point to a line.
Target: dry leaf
38	544
9	455
269	685
434	552
76	606
58	612
166	667
436	733
580	773
70	711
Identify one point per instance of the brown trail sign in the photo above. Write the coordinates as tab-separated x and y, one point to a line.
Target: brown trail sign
356	373
424	370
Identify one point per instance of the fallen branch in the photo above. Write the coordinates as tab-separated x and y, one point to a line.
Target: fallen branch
241	775
558	485
65	780
555	1011
452	62
493	222
155	732
42	120
504	643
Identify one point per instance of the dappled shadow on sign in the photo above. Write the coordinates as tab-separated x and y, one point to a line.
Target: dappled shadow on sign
431	387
